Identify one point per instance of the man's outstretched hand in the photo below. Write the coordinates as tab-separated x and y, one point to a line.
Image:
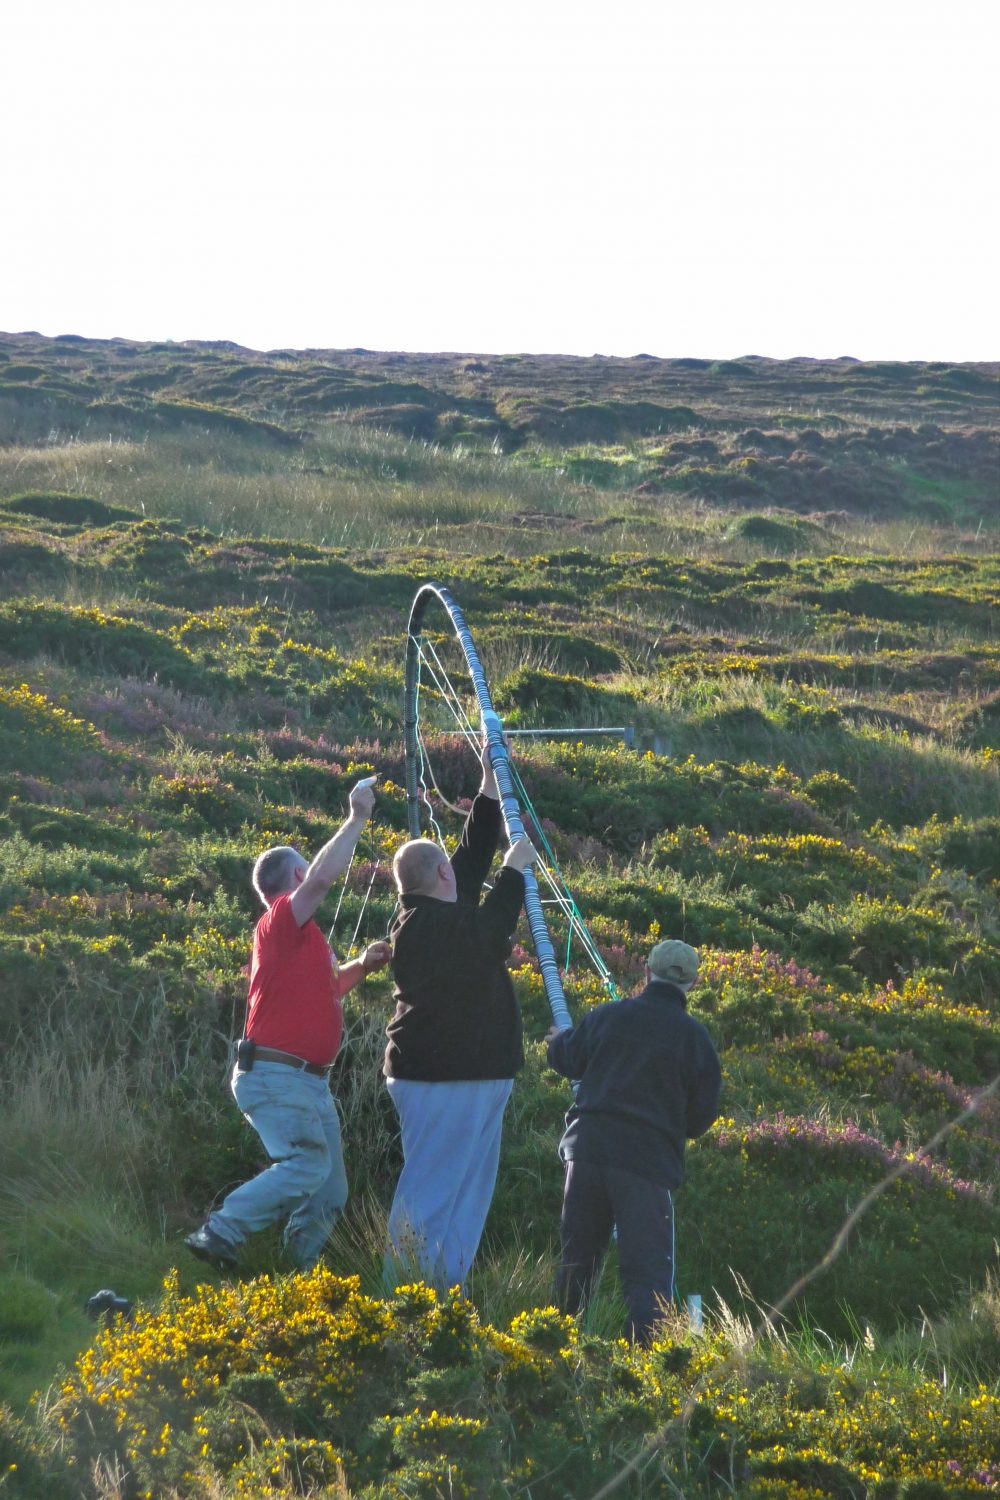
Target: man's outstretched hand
362	800
520	855
375	957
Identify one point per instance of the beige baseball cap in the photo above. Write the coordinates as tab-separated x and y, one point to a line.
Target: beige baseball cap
675	961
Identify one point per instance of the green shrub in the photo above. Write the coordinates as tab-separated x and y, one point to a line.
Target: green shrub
214	802
531	692
573	652
30	1464
70	510
882	939
38	735
56	827
830	791
22	558
26	1307
980	729
81	636
765	1202
972	846
918	1017
777	534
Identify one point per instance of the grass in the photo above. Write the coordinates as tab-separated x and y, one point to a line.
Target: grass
348	486
456	501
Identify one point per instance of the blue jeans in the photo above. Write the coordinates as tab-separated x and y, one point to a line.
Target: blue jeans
451	1150
296	1118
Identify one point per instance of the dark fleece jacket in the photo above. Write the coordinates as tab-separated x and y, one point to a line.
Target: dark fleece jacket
457	1017
649	1080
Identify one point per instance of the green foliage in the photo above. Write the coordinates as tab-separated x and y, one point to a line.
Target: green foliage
68	509
211	800
58	827
530	693
776	534
89	637
25	1307
571	651
973	846
30	1464
787	1185
37	734
277	1386
980	729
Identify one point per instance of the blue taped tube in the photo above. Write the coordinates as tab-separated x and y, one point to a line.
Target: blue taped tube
499	760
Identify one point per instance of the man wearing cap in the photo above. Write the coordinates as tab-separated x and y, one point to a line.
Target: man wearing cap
649	1080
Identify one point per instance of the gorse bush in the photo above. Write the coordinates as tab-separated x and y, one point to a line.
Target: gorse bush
279	1386
68	510
88	636
37	734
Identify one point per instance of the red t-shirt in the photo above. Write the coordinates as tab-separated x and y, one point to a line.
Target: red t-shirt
294	1005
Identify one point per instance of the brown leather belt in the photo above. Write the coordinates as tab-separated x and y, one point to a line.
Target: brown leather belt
271	1054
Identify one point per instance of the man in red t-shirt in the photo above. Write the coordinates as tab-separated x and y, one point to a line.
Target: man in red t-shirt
293	1032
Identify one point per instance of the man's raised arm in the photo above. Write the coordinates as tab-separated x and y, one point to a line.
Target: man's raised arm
497	917
472	859
334	857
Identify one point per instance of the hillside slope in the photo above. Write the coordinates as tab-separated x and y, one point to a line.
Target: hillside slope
813	800
654	453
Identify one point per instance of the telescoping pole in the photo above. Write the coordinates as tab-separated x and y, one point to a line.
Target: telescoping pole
500	761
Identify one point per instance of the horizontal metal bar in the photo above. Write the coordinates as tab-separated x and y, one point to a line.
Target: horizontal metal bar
627	731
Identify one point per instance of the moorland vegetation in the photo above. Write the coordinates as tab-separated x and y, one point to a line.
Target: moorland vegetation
784	578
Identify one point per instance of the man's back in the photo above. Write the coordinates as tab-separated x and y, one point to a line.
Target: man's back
649	1080
293	1003
454	1041
457	1016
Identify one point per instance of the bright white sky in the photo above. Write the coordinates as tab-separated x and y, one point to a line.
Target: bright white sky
680	177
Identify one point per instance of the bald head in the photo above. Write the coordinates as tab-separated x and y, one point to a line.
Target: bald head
419	867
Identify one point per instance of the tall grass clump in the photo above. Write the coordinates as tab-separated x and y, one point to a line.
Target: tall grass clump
348	486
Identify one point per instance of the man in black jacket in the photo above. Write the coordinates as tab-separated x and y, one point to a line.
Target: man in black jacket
649	1080
454	1041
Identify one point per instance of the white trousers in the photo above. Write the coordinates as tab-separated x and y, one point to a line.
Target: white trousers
451	1149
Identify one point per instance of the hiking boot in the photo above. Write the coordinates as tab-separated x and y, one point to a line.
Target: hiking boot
207	1245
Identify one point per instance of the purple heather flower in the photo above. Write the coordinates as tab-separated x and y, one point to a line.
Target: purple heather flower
788	1132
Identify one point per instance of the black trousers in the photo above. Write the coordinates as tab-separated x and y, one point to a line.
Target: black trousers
595	1200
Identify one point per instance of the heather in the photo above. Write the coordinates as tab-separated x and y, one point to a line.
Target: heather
812	798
